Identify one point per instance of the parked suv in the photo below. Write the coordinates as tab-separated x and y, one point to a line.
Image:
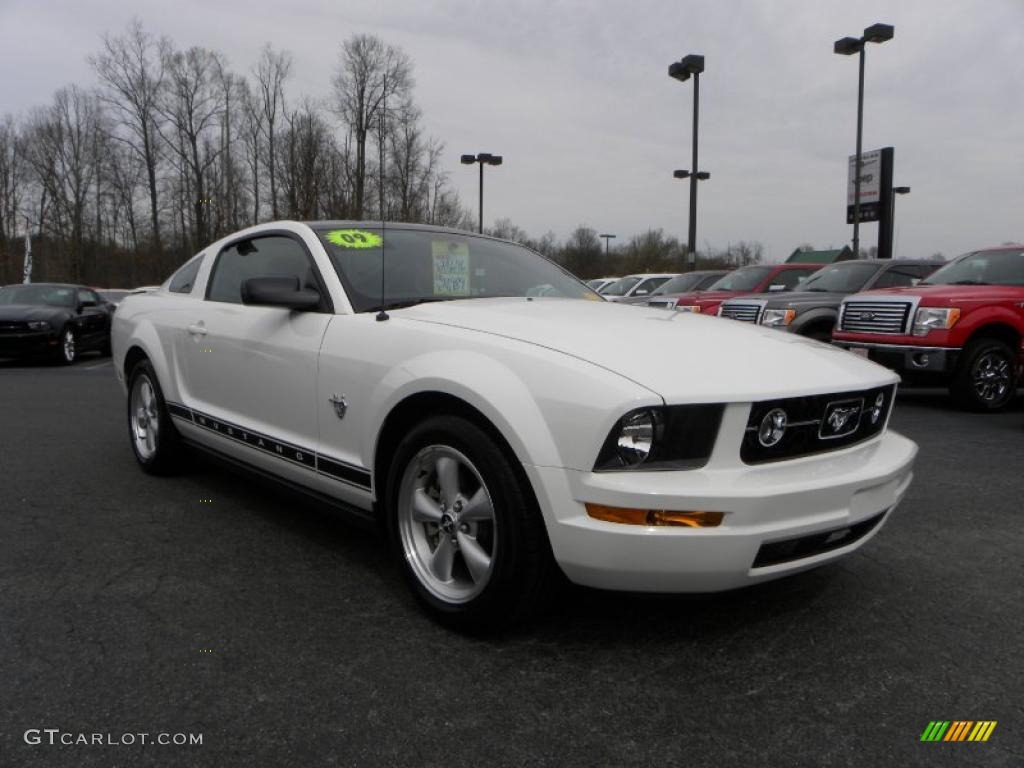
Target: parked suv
812	311
963	326
759	278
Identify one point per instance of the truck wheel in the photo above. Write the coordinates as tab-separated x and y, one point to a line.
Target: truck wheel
154	440
985	379
465	530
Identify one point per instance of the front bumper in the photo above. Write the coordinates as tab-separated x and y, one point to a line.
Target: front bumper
28	344
779	518
906	358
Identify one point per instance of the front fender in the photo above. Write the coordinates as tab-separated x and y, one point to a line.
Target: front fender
813	317
138	332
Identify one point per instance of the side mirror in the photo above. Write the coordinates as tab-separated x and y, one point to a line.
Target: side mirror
776	288
279	292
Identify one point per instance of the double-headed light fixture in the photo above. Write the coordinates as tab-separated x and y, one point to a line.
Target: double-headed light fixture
483	158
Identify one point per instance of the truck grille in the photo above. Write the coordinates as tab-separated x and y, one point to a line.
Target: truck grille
745	313
875	316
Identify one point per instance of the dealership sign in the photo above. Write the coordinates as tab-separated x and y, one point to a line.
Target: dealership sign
872	193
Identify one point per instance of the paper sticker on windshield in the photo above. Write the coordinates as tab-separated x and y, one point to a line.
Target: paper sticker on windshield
451	268
354	238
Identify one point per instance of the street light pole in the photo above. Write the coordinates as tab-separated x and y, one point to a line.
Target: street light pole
693	64
876	33
892	209
606	239
692	235
483	158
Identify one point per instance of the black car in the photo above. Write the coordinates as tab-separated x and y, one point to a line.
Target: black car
812	311
53	320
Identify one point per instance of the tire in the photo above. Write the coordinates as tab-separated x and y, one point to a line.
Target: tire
465	527
67	351
985	379
154	440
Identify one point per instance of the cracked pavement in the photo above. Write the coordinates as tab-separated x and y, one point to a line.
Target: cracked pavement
284	635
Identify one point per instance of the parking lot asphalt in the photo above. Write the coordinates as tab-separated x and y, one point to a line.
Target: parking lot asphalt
208	604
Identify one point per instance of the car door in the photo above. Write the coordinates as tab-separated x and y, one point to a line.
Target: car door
93	320
248	373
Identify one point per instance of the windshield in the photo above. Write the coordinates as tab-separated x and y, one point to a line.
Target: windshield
424	265
114	296
38	294
620	287
743	279
845	277
595	284
982	268
679	284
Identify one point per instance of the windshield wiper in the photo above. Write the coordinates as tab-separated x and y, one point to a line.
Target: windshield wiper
968	282
412	302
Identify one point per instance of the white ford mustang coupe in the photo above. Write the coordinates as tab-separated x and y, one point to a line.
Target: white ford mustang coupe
504	421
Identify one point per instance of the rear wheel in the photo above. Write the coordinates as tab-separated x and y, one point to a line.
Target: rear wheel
985	378
465	527
155	441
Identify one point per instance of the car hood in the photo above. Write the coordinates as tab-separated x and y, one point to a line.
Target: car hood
941	295
25	312
798	299
682	356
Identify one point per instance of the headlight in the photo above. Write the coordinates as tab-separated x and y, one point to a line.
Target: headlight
687	308
672	437
39	325
778	317
636	437
934	318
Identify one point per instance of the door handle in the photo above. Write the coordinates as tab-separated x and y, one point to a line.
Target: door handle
197	330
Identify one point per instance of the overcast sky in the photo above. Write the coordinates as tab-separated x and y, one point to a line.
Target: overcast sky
576	98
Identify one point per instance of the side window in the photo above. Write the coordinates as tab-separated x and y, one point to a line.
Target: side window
185	278
85	295
896	277
269	256
648	285
791	278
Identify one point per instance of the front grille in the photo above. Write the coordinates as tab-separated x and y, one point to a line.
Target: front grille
777	552
746	313
875	316
817	423
12	327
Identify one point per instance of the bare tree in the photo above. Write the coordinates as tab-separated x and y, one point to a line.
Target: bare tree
61	151
191	107
271	72
366	63
130	67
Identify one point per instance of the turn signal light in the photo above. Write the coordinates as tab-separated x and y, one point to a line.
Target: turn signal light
654	517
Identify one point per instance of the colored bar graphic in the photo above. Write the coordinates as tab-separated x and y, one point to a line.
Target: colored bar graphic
958	730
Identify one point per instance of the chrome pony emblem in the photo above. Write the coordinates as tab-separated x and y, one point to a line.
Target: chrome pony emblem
841	418
340	405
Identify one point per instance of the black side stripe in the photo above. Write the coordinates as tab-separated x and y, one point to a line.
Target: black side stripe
296	454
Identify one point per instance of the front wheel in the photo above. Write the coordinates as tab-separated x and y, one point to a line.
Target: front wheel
67	352
985	378
465	527
154	440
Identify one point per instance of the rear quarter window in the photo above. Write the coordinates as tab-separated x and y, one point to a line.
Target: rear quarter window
184	280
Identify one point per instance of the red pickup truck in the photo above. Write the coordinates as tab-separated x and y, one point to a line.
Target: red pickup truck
759	278
962	326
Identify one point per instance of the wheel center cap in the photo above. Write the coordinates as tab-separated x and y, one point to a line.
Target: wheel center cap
447	524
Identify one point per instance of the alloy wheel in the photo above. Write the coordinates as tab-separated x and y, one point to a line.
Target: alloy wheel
145	417
992	377
446	524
